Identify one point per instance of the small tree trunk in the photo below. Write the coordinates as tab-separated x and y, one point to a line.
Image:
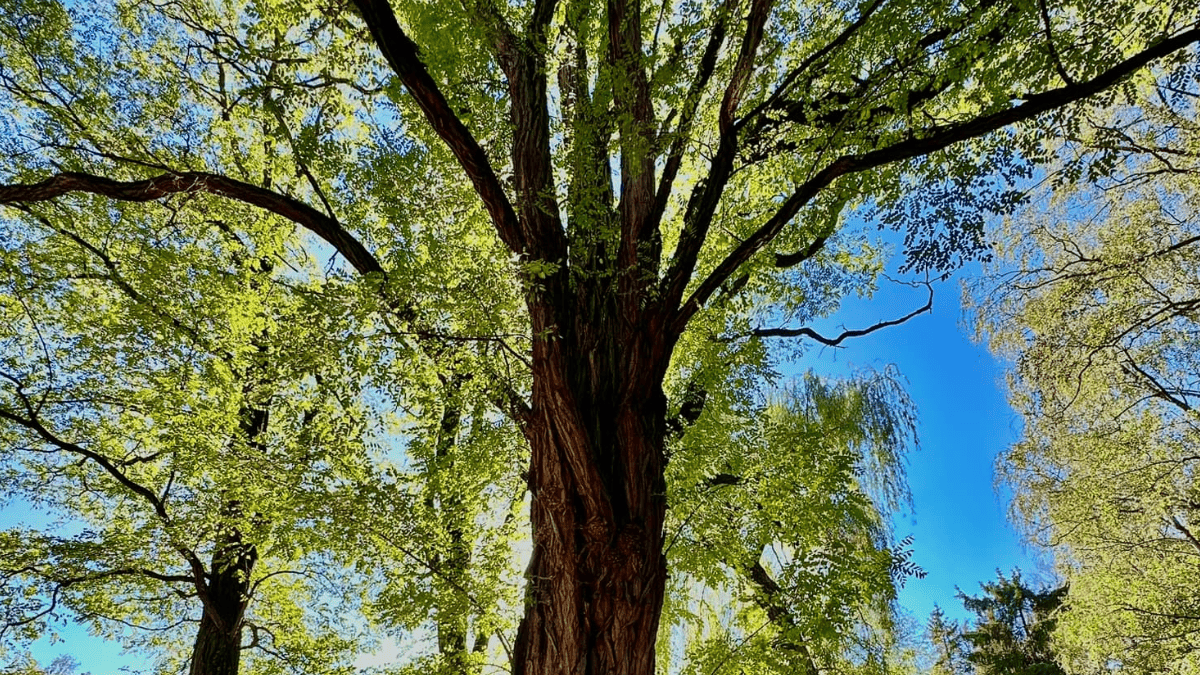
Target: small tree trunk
218	646
597	575
454	565
217	651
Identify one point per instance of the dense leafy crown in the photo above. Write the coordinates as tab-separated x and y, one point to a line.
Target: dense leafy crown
1098	308
281	278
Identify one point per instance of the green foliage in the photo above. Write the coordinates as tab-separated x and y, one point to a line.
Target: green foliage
779	537
64	664
316	265
948	646
1012	632
1095	301
1013	629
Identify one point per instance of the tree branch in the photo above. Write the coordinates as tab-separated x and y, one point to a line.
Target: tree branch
403	56
705	197
1058	64
33	424
1185	532
777	612
329	229
931	140
691	102
845	335
783	260
808	62
166	184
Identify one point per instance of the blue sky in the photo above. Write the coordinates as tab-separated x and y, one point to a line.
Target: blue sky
959	520
961	535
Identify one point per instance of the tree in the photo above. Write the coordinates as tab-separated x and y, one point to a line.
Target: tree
1012	631
950	649
206	451
647	188
1095	299
779	544
1013	628
188	457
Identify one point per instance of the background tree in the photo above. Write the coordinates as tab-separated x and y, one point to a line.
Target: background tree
1012	633
947	645
1095	299
181	459
780	536
652	190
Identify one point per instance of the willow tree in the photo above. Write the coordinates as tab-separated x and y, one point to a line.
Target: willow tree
624	195
779	545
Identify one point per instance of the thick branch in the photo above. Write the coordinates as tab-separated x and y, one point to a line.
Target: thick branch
760	10
702	203
767	599
166	184
329	229
639	248
533	172
403	56
932	139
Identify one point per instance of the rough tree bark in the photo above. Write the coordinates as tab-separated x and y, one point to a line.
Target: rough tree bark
597	574
218	646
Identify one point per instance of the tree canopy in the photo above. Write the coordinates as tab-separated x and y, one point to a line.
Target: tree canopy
1012	631
1097	305
584	225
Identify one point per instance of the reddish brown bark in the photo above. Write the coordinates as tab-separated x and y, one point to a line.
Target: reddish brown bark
597	574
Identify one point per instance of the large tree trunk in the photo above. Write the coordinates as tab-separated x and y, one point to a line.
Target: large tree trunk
597	574
217	651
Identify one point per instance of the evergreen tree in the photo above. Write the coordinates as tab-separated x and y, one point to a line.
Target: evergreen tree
1012	633
950	648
